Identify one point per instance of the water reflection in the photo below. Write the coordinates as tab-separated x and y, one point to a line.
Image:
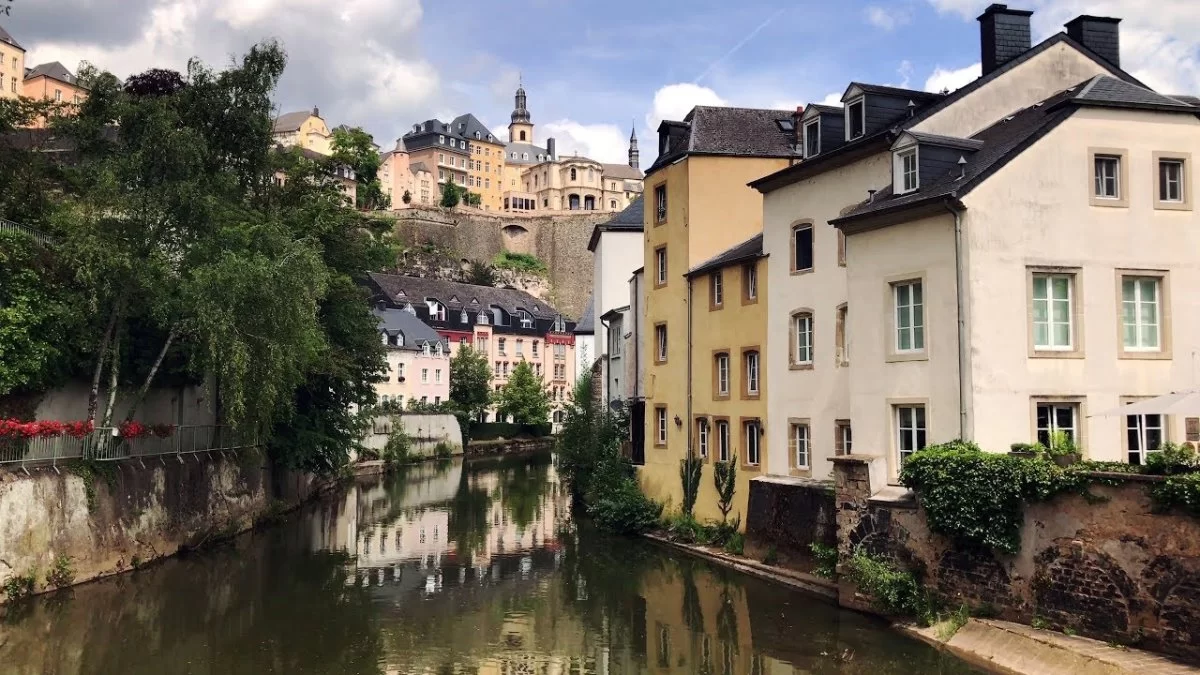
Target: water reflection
452	568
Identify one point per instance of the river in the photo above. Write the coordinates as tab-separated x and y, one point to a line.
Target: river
445	568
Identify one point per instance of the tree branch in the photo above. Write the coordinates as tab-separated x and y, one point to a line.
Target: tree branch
162	353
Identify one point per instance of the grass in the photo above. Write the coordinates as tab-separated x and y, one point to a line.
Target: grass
519	262
951	624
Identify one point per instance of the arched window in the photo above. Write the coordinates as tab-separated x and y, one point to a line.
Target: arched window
437	349
590	175
573	177
476	135
522	135
482	318
399	339
589	203
573	202
524	155
514	155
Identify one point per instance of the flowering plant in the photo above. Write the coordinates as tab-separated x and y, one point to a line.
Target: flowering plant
14	429
131	430
162	430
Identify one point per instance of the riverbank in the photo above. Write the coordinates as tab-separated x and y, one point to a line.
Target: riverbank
995	646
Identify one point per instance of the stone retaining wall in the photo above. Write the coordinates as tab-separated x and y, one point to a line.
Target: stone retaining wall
519	446
791	513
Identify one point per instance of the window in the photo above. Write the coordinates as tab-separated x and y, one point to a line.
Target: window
496	370
841	437
58	95
1173	191
800	446
1052	312
802	248
660	425
660	341
1107	173
910	316
905	170
462	317
520	347
426	349
752	375
437	376
750	282
1052	417
504	369
526	321
660	266
1144	435
721	374
385	338
500	345
424	375
910	430
856	123
522	138
812	137
1140	323
400	372
751	431
573	176
535	349
442	139
660	204
842	349
723	449
702	437
615	340
717	296
802	339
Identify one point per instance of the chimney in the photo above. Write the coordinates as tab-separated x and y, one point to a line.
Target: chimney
796	128
1003	35
1099	34
550	147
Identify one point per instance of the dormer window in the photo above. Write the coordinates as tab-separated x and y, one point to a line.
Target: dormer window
425	351
560	325
856	118
904	171
525	318
786	125
812	138
437	311
385	337
442	140
477	135
462	317
410	309
482	318
437	349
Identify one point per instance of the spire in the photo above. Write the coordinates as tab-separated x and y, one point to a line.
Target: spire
520	112
633	149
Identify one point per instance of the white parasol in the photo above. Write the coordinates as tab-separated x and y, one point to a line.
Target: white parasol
1185	403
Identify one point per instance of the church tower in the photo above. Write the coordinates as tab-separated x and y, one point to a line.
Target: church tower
633	150
520	130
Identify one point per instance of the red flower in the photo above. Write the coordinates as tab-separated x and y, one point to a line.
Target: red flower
132	430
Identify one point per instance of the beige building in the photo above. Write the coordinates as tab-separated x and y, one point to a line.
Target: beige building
303	129
53	82
12	66
399	175
1017	254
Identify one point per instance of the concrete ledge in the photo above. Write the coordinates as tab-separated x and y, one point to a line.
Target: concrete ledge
1017	649
797	580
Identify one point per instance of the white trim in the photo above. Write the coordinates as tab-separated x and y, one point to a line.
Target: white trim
861	98
815	122
900	172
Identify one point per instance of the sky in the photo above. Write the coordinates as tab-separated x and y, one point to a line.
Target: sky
592	71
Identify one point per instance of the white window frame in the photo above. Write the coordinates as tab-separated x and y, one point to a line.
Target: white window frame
723	374
424	375
724	449
802	339
800	443
717	282
916	324
1137	426
915	429
660	338
903	171
1100	179
1050	300
861	101
751	276
752	363
661	424
1052	420
846	433
809	125
660	266
702	437
1138	323
437	375
753	434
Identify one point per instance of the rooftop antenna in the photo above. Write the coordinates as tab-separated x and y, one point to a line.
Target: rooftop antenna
962	167
912	107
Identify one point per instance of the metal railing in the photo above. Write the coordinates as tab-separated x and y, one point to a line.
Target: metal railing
9	226
102	445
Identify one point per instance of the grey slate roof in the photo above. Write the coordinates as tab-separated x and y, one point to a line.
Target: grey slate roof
53	70
587	322
290	121
416	332
9	39
822	108
417	167
748	132
630	219
621	172
1010	136
457	296
1190	100
946	141
751	249
915	95
524	148
469	125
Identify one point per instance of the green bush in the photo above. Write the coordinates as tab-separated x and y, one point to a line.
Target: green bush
19	586
442	450
62	572
771	557
826	559
624	509
725	480
398	449
690	468
893	592
519	262
1178	491
1172	458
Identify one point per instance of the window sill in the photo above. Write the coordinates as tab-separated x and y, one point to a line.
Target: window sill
752	467
800	273
1108	202
1172	206
751	397
720	397
750	301
716	308
1052	354
901	357
800	472
1144	356
800	366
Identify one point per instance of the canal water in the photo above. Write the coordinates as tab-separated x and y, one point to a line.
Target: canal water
457	567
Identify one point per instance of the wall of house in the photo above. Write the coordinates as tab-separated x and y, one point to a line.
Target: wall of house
722	210
1096	242
490	174
879	378
314	135
1108	568
396	179
1036	79
409	364
12	70
820	394
617	255
635	343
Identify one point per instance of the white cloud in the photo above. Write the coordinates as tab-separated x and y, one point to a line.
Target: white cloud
601	142
943	79
833	98
905	71
887	18
674	101
967	9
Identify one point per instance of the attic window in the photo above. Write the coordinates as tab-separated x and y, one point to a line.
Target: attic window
477	135
812	137
786	125
856	118
442	140
905	170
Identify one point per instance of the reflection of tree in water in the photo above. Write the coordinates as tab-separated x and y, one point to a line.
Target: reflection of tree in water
727	622
523	485
693	613
468	526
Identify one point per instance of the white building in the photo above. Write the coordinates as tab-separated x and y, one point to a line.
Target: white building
617	250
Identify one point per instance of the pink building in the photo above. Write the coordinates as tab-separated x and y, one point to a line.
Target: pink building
418	359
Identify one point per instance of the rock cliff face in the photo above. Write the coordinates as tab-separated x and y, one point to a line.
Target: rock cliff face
441	243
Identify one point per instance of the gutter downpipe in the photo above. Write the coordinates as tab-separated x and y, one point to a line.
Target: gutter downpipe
604	384
688	420
960	284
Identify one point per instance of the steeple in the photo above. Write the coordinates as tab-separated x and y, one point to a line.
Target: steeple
633	149
520	112
520	129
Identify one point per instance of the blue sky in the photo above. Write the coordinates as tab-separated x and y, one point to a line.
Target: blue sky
591	69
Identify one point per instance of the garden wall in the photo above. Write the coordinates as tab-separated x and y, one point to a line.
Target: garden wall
1110	568
110	519
791	513
425	432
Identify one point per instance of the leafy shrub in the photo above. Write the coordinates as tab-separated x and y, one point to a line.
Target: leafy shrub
952	623
442	450
689	476
19	586
1172	458
826	559
683	527
735	544
771	557
1178	491
725	480
894	592
398	449
62	572
519	262
624	509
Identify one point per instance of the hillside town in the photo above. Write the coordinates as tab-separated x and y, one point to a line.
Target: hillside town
548	413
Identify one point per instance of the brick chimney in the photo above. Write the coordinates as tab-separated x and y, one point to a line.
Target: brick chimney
1099	34
1003	35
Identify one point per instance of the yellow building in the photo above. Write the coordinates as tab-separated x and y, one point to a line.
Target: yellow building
12	66
698	205
303	129
485	165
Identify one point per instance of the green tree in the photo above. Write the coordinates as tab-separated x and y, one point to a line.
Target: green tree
450	195
356	148
524	396
470	381
481	274
407	198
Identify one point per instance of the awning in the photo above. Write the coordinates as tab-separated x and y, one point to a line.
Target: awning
1179	403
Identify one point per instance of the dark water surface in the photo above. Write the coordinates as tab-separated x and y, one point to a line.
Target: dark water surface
458	568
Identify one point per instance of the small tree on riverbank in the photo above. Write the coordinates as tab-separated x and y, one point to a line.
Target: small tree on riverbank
725	480
524	397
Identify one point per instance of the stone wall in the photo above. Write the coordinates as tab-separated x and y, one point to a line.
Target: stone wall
424	431
127	513
1107	568
522	446
559	240
791	513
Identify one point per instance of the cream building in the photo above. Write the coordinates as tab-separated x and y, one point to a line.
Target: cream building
418	360
12	66
303	129
1016	255
399	175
